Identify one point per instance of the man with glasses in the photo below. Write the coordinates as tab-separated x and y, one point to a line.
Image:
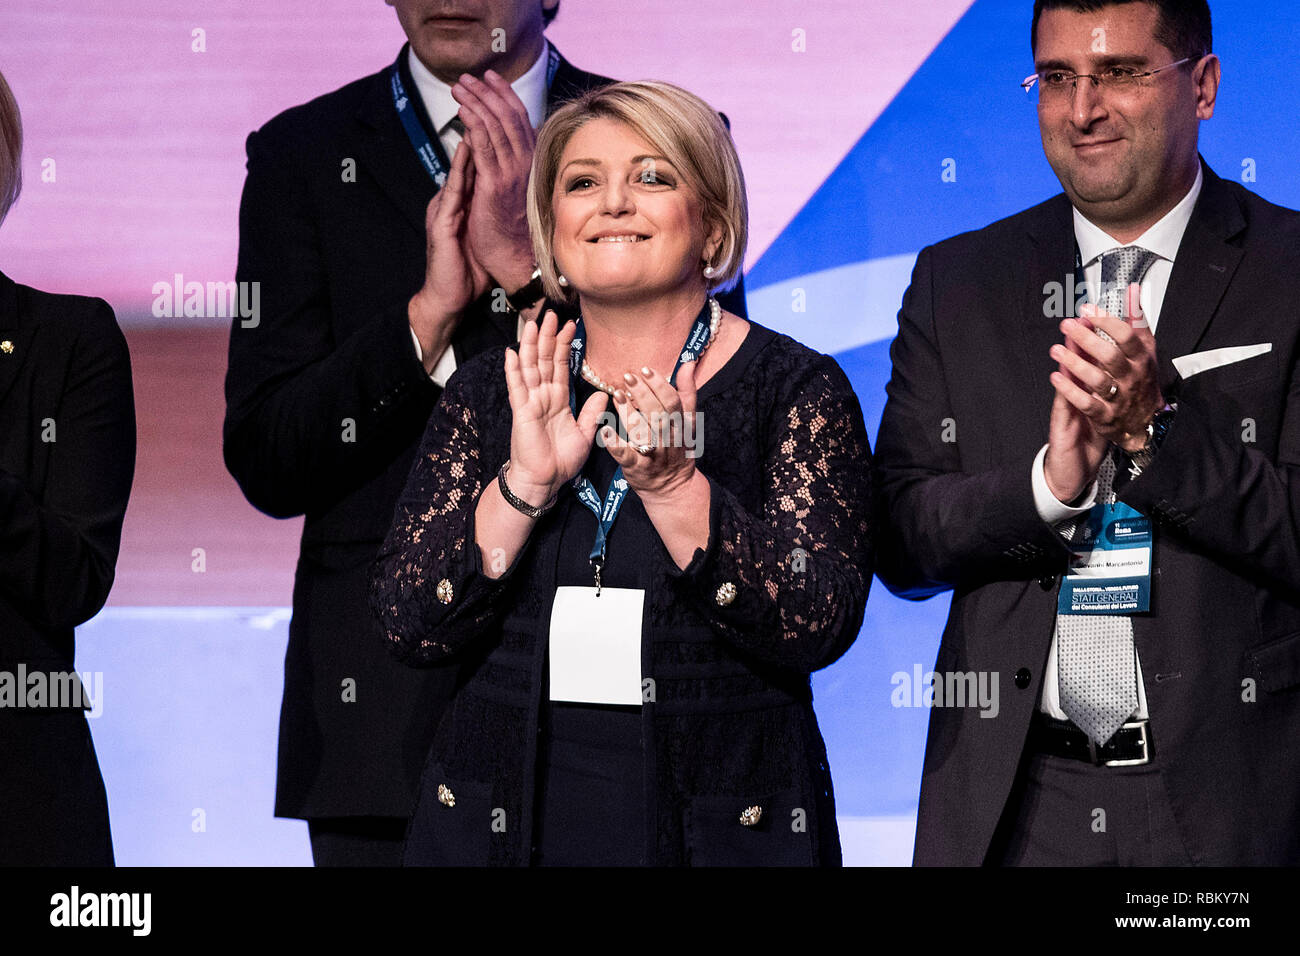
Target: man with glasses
1119	517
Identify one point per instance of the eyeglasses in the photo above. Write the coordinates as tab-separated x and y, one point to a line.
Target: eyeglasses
1056	86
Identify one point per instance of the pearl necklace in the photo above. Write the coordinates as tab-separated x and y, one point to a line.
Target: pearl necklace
715	319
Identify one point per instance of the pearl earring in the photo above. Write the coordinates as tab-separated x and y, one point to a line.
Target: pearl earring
709	272
562	281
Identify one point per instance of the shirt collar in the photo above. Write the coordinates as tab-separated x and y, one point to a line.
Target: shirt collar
442	106
1163	238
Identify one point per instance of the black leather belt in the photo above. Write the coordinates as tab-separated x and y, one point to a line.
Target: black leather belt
1130	747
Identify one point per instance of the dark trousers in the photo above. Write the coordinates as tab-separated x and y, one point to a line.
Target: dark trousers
1065	812
357	841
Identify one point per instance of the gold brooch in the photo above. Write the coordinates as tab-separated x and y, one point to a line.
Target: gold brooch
726	593
7	347
751	815
445	592
445	796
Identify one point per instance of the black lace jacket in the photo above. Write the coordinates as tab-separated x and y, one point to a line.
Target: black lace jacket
735	763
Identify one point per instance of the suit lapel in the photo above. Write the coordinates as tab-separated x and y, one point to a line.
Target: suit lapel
570	83
1205	265
385	153
1048	263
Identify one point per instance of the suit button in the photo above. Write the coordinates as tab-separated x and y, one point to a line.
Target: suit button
725	594
1022	678
1047	581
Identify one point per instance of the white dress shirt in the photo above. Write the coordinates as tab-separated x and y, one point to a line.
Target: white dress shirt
1163	239
442	108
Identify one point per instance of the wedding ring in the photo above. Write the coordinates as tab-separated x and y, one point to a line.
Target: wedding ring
644	449
1114	390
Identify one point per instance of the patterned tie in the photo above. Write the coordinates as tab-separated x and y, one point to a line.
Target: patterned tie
1096	660
452	133
1119	268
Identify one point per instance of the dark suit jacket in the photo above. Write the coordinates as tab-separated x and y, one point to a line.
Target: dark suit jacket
338	262
67	457
1220	649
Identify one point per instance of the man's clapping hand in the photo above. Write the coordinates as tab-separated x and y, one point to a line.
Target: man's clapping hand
453	279
1106	393
501	135
1114	383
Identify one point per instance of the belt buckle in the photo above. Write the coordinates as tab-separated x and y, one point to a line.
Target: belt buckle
1144	740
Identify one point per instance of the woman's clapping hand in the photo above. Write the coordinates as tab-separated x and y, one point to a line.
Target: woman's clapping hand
662	431
548	447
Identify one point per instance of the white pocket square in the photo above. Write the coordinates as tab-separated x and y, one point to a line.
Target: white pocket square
1197	362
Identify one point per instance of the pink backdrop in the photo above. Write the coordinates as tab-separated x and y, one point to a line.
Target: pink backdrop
147	136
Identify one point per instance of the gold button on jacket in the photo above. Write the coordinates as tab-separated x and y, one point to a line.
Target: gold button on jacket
445	591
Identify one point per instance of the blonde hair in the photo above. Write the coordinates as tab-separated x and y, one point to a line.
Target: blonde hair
678	124
11	149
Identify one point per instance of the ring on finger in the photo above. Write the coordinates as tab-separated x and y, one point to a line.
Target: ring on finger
1114	390
637	424
643	449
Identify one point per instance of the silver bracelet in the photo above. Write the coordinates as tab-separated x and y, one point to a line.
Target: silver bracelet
518	503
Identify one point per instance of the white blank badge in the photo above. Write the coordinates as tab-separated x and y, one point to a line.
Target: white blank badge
595	647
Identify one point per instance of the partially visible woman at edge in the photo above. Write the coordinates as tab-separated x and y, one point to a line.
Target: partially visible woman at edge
67	457
634	690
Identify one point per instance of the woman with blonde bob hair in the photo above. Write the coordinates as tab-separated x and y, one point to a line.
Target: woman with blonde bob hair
678	124
67	457
635	598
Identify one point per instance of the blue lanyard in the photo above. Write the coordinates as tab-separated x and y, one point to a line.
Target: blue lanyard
432	156
606	512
